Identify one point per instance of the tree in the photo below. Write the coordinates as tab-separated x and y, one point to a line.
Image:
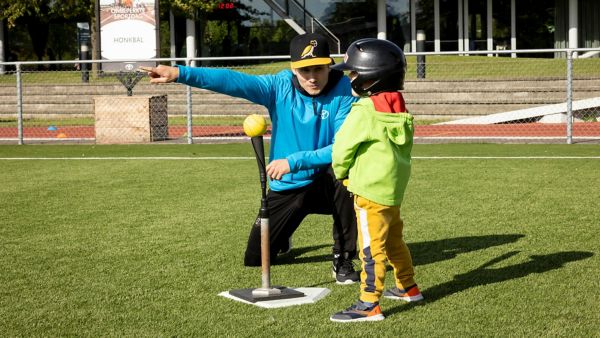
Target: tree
37	16
189	7
45	11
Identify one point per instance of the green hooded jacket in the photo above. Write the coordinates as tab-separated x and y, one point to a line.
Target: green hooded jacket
372	149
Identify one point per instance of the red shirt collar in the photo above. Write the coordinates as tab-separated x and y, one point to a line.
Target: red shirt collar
389	102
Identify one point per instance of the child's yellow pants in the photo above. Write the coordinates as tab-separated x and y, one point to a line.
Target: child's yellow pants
380	237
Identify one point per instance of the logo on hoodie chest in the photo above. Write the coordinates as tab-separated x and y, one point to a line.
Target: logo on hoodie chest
312	110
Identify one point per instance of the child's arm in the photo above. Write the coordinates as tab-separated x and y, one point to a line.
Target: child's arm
348	139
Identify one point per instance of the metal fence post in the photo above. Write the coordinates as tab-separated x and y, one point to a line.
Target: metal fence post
569	97
188	88
19	104
421	58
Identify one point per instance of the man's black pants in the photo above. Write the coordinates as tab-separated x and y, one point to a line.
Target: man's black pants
287	209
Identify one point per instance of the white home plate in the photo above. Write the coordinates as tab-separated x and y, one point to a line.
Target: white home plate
311	295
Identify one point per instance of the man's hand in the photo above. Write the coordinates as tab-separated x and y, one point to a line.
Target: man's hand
278	168
161	74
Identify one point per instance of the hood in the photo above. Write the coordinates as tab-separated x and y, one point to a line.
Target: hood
399	128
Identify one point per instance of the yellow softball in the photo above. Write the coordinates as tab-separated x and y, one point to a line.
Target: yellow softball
255	125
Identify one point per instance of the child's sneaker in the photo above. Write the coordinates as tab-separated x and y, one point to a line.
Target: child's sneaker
410	294
359	312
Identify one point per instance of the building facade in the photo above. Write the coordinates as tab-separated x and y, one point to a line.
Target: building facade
448	25
265	27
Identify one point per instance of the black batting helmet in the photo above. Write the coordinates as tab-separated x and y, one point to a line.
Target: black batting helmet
375	59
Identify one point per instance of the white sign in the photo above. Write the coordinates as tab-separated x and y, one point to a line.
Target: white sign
127	31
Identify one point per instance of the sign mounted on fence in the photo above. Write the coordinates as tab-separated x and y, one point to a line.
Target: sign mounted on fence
128	30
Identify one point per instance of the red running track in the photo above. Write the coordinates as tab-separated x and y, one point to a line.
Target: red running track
588	129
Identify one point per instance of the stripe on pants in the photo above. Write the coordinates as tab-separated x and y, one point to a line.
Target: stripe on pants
368	262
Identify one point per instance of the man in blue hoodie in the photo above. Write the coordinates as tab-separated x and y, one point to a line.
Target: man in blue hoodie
307	106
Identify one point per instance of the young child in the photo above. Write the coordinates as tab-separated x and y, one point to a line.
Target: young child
372	149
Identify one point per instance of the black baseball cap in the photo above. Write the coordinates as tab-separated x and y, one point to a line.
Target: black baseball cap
309	50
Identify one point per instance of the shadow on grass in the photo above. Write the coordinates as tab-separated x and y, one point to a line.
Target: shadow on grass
422	252
293	257
444	249
483	275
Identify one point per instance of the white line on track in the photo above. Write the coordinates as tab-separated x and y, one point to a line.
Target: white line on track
234	158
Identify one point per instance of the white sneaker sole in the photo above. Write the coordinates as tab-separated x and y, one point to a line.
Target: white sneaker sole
346	282
406	299
365	319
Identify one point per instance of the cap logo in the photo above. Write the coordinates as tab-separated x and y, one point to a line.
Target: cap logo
309	49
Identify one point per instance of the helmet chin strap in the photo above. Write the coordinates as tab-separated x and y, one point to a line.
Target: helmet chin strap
369	92
389	82
363	91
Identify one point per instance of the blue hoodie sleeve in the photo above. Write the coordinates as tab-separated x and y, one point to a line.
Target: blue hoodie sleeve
321	157
309	159
254	88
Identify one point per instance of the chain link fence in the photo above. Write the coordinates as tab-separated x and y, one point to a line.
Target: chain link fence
526	99
545	96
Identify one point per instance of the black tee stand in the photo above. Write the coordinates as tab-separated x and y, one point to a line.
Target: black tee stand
129	80
266	291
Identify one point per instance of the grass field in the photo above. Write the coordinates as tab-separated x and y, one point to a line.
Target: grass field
505	240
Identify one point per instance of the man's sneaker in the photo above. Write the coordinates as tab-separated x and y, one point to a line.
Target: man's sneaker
286	249
343	269
359	312
410	294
